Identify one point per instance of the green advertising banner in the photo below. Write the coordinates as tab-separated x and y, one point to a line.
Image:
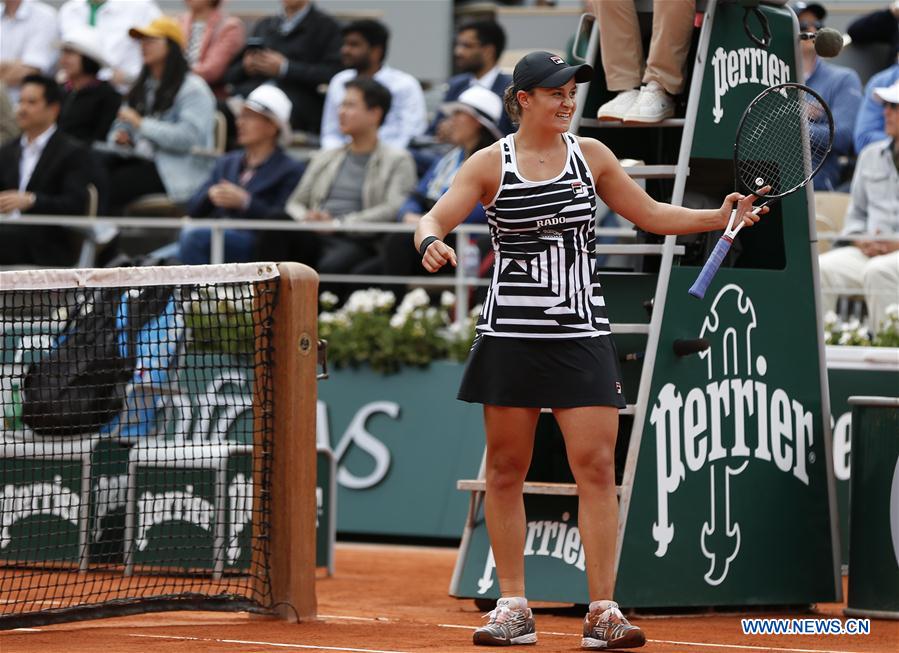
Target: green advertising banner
854	371
41	508
401	442
874	540
553	554
183	509
730	500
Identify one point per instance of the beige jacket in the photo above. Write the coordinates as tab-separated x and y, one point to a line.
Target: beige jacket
389	178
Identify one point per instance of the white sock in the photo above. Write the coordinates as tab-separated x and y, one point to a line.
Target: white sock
520	602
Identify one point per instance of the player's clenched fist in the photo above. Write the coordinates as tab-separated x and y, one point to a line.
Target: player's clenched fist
436	254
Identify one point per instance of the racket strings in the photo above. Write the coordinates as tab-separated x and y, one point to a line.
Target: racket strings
783	139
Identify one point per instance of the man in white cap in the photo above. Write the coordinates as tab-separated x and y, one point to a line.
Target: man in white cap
870	266
249	183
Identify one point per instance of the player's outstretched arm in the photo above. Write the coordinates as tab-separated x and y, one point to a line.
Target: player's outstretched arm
476	181
624	196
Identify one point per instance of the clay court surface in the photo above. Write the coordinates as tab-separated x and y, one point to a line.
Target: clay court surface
390	599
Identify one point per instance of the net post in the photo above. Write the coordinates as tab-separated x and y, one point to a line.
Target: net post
292	463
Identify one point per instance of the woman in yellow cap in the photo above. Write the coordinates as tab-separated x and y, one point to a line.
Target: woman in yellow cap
167	113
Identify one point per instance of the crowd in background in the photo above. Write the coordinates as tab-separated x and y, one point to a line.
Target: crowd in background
106	103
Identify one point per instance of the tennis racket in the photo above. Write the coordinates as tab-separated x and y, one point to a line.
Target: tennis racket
783	138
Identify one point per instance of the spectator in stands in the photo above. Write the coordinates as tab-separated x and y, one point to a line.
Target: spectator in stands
622	58
869	125
168	112
472	124
8	128
362	54
362	182
44	172
89	105
213	40
868	266
298	51
479	45
113	19
840	87
27	46
877	27
250	183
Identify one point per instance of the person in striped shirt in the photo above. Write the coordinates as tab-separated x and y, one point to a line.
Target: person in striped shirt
543	336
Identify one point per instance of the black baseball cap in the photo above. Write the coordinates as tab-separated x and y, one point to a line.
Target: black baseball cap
817	9
547	70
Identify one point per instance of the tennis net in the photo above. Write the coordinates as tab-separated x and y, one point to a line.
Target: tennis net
137	440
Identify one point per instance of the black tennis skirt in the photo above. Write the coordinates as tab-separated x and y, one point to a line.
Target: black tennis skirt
543	373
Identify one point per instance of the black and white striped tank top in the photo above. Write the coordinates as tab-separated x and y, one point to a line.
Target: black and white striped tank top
544	277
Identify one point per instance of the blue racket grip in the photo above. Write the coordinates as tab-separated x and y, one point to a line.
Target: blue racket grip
710	268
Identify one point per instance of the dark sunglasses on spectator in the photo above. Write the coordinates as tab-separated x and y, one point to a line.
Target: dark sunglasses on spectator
805	26
892	105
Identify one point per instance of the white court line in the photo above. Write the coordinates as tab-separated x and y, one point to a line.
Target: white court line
749	647
308	647
27	630
669	641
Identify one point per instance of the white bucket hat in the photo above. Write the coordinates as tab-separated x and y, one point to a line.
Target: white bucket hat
271	102
85	41
482	104
884	94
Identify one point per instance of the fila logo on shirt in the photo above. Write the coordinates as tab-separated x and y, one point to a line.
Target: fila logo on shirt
579	188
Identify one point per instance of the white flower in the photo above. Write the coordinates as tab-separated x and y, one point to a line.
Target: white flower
361	301
327	318
852	324
892	311
447	299
384	299
328	299
475	312
414	299
398	320
845	338
430	312
830	319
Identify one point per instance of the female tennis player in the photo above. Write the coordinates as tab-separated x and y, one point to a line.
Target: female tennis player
544	339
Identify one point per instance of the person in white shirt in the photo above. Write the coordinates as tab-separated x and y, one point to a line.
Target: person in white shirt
363	52
27	42
113	19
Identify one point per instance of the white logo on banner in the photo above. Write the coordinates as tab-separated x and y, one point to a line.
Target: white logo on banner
690	429
547	539
23	501
734	68
357	434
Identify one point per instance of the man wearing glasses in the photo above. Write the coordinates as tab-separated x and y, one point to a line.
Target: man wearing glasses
840	87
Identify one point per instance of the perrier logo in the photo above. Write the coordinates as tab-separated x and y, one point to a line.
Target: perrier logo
708	430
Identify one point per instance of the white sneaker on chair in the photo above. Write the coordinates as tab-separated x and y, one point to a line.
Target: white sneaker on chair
618	106
653	105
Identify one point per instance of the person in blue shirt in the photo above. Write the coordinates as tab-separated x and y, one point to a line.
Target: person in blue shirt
249	183
840	87
474	120
869	125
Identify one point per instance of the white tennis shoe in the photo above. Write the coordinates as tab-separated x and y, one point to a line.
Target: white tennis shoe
653	105
618	106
